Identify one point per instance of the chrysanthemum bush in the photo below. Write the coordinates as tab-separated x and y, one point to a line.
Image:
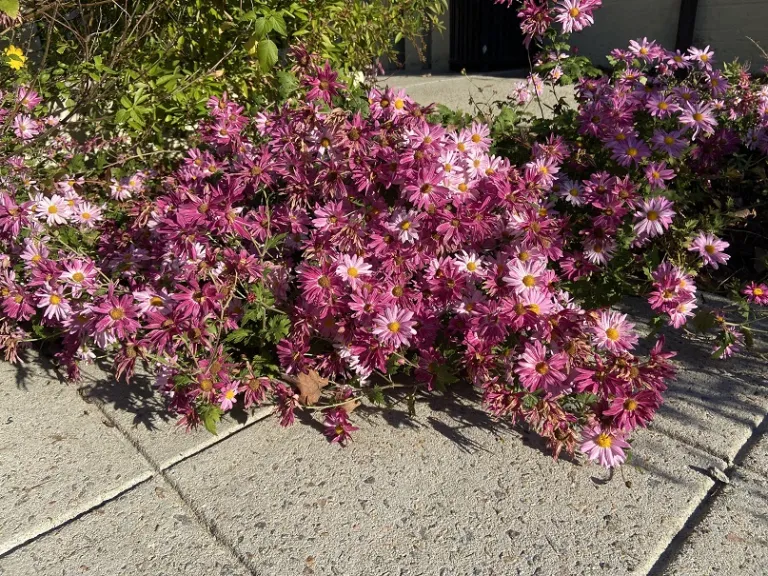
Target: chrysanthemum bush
312	257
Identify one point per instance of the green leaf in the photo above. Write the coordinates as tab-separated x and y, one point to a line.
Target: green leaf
10	7
376	395
267	54
261	28
237	336
211	416
278	24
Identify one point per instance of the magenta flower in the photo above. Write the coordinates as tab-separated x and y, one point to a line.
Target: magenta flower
658	174
633	410
536	370
670	143
613	332
756	293
710	248
603	446
395	326
338	428
324	85
653	216
116	314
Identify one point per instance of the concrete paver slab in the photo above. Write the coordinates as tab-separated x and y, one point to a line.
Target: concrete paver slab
713	404
447	493
146	531
58	457
757	459
732	538
140	413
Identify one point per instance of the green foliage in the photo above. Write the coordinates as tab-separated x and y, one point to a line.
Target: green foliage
210	415
142	71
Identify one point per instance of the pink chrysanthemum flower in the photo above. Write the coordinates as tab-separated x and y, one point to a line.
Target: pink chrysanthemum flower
613	332
670	143
756	293
603	446
228	396
470	263
633	410
536	370
653	216
87	214
658	174
574	15
710	248
350	268
338	429
703	58
55	210
699	116
525	276
395	326
52	299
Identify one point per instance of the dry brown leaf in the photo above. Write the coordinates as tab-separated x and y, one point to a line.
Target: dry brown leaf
350	406
309	385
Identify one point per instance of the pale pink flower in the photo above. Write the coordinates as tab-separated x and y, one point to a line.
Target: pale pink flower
55	210
710	248
52	299
613	332
350	268
228	395
87	214
603	446
525	276
395	326
653	216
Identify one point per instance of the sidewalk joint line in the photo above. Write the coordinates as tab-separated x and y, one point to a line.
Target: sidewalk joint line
21	539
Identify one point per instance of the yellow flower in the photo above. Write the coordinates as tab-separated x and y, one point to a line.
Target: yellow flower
16	58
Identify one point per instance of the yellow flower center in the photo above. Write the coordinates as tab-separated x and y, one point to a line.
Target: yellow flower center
604	441
78	277
156	301
704	58
85	215
447	167
655	174
399	104
397	291
653	215
698	116
663	105
324	282
529	281
325	143
352	272
709	249
542	368
471	266
393	327
206	385
632	152
339	429
533	308
574	12
758	291
612	334
229	394
463	187
630	404
55	300
117	313
52	209
384	102
476	138
668	140
461	147
405	225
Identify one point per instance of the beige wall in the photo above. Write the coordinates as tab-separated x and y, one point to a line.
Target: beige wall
725	26
619	21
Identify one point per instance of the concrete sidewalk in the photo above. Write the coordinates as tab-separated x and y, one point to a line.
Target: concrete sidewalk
473	92
98	480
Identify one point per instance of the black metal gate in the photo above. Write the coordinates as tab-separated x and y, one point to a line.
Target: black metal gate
485	37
